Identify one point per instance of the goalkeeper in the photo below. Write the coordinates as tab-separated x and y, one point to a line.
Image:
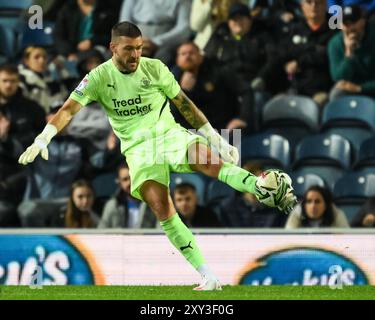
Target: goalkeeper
134	92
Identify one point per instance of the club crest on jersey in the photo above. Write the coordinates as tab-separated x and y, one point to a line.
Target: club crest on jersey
145	82
82	85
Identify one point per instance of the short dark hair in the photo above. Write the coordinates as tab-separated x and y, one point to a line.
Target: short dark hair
9	68
125	29
122	165
184	187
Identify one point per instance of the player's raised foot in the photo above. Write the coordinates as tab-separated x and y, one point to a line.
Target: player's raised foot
208	284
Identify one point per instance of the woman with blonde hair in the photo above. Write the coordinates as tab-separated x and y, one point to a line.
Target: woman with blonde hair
37	82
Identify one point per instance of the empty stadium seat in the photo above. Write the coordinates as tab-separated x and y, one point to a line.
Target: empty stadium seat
324	149
193	178
355	135
7	38
40	37
351	191
355	185
350	111
327	156
366	155
293	117
105	185
15	5
301	182
291	110
271	150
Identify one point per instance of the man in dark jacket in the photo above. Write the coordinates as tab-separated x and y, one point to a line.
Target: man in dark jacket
186	201
240	44
26	117
12	175
352	55
303	53
224	97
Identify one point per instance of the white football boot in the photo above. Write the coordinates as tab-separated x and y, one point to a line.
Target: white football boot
208	284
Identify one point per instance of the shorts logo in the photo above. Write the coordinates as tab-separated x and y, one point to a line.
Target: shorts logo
145	82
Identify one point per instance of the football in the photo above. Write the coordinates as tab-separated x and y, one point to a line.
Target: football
271	187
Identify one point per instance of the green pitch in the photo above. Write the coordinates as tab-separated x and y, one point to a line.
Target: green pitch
186	293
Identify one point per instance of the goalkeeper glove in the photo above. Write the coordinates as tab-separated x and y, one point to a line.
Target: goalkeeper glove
39	146
227	152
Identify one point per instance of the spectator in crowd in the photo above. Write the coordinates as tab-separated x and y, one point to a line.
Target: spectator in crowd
164	25
225	98
304	55
193	215
352	55
83	24
365	217
277	15
91	122
243	210
80	209
240	44
317	210
124	211
36	83
205	16
25	115
49	182
12	175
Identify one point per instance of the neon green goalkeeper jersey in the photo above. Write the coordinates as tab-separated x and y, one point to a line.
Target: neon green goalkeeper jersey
136	103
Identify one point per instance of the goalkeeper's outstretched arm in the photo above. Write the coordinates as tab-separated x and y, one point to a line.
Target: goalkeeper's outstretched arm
55	125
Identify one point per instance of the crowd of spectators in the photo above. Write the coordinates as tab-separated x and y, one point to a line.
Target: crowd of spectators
229	56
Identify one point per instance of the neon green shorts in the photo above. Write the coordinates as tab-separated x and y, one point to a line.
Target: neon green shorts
157	156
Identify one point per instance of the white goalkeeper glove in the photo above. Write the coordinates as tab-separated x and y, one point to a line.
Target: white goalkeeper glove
227	152
39	146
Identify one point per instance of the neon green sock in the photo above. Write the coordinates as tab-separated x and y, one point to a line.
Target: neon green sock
182	238
237	178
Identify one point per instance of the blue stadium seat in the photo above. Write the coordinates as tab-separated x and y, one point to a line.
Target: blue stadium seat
7	38
324	149
355	185
329	174
355	135
293	134
270	149
351	191
40	37
350	209
11	23
291	110
350	111
193	178
105	185
15	5
366	155
301	182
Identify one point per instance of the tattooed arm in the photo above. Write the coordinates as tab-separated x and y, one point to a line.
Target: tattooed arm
189	110
197	120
